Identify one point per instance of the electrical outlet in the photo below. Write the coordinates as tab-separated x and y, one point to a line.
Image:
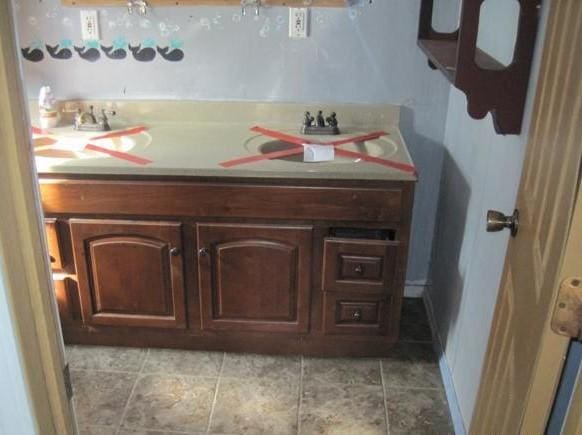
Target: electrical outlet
298	22
90	25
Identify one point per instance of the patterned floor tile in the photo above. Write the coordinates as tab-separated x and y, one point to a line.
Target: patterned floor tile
183	362
172	403
412	365
100	397
243	366
342	370
124	359
418	412
256	406
342	409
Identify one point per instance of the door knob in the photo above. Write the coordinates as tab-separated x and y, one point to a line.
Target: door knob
497	221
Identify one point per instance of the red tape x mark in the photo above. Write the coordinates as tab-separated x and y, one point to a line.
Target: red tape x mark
299	149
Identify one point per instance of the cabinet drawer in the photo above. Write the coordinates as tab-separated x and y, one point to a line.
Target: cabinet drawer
54	243
364	266
348	313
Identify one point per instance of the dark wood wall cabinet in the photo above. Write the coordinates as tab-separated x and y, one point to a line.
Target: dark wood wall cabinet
306	267
489	85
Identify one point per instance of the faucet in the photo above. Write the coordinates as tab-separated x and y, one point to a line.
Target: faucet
320	124
87	121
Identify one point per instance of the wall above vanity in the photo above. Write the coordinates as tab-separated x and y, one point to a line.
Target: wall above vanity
264	3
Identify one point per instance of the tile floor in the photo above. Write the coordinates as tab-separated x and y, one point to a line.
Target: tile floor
126	391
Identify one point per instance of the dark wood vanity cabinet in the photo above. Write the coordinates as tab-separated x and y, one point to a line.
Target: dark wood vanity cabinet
254	277
310	267
129	272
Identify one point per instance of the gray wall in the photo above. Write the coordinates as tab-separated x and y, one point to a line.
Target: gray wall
361	53
481	171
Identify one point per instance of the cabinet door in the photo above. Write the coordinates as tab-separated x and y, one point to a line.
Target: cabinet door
254	278
130	273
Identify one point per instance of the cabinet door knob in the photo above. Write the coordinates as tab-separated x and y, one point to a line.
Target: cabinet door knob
203	252
359	269
357	316
174	252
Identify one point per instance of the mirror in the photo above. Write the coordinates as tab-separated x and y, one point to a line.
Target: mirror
498	24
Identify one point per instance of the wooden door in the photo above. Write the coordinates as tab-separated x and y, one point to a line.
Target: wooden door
524	356
130	273
254	278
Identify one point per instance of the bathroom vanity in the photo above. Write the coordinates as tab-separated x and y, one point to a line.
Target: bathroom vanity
275	256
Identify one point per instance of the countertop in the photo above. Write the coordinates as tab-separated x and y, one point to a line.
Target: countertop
193	139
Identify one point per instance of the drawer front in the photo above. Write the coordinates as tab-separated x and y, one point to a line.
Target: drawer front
150	198
354	314
54	243
364	266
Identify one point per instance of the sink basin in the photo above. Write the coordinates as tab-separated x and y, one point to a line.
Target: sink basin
62	144
382	147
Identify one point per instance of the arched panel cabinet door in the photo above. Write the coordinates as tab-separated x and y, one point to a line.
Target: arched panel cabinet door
254	277
130	273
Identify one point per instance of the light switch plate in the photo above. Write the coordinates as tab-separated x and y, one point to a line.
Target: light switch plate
298	22
90	25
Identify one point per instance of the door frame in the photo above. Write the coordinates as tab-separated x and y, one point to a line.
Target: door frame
25	265
551	353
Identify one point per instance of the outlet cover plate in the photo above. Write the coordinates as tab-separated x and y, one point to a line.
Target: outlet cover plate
90	25
298	23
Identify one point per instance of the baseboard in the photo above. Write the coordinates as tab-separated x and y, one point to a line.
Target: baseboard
454	409
415	289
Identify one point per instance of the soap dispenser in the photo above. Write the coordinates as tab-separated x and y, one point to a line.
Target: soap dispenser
48	113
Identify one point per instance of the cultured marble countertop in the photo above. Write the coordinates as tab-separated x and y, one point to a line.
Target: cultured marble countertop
192	139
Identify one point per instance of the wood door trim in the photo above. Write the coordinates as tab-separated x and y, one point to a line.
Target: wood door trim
556	84
25	269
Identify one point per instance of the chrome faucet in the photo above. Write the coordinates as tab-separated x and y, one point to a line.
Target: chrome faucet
87	121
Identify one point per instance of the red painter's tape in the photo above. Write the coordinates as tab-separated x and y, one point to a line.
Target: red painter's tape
118	154
385	162
337	143
363	138
278	135
127	132
37	130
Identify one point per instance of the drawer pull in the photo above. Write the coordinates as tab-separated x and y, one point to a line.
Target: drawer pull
203	252
174	252
52	259
357	316
359	269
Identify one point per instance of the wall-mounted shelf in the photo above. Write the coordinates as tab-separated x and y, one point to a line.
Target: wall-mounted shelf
289	3
489	85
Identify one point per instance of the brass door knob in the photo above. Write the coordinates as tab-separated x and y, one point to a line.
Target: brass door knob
497	221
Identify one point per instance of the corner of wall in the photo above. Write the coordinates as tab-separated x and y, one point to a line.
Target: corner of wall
446	374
